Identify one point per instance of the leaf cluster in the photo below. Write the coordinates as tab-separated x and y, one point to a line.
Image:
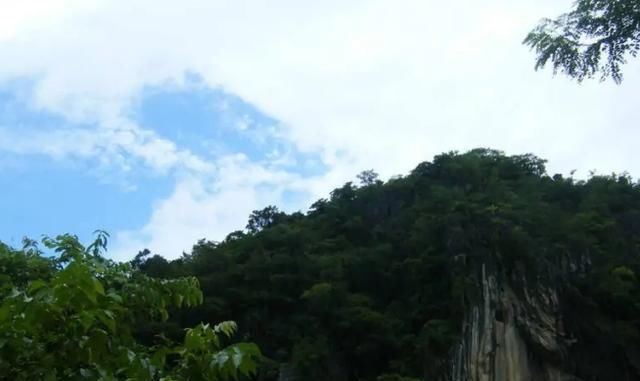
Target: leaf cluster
74	316
595	37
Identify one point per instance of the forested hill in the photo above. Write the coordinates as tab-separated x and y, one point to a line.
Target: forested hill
387	280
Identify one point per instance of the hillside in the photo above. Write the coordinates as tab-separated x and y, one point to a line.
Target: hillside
475	266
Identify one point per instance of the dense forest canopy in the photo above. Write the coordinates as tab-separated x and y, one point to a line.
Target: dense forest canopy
474	266
372	282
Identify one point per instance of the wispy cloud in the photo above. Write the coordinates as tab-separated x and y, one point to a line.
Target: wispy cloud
198	208
359	84
121	145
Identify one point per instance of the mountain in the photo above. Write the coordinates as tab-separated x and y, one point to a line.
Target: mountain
475	266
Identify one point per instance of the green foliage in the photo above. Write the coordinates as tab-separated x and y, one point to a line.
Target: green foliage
368	177
261	219
372	283
576	42
74	316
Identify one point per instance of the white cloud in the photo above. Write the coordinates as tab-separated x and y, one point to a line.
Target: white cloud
198	208
119	144
26	15
365	84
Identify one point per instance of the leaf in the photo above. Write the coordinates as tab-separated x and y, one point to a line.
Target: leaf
107	318
245	356
97	286
159	357
164	315
86	319
131	356
178	299
86	373
115	297
219	360
192	340
228	328
36	285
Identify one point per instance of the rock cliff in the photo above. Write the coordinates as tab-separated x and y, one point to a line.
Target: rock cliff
518	329
505	335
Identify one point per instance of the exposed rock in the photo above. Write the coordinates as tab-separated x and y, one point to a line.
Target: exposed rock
519	329
511	335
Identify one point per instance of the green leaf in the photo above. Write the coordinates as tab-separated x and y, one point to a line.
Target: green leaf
192	340
178	299
107	318
86	319
97	286
228	328
86	373
159	357
115	297
36	285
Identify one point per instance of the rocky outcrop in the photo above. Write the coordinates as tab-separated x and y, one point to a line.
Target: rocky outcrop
535	325
511	334
523	327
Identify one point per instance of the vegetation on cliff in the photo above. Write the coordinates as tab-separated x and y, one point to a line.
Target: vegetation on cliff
372	283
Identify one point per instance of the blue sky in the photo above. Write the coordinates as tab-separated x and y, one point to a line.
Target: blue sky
166	123
51	194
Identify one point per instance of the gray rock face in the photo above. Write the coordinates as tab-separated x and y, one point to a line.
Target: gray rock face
511	335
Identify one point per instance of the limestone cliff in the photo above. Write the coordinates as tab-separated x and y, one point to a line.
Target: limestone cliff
516	330
500	330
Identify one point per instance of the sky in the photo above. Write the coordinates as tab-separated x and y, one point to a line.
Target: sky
167	122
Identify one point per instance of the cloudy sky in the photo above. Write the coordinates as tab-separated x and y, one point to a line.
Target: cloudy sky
166	122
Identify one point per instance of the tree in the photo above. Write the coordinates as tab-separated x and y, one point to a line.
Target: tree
368	177
261	219
74	317
595	37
